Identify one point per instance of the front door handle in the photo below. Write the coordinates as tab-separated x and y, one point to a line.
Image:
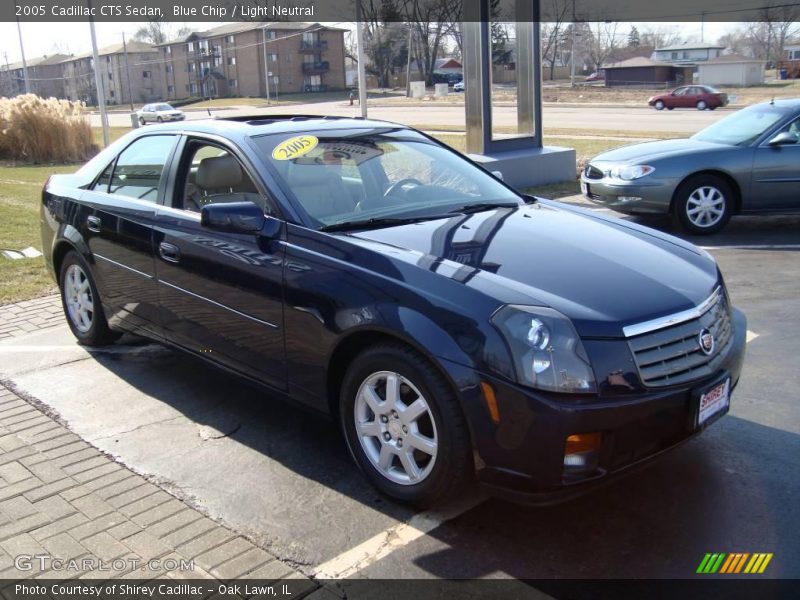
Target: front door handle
93	223
169	252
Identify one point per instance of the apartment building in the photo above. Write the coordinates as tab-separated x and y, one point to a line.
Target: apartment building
254	59
128	77
45	75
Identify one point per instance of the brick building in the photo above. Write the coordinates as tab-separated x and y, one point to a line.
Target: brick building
141	64
45	74
254	59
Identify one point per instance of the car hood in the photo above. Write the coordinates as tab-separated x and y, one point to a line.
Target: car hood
647	152
601	272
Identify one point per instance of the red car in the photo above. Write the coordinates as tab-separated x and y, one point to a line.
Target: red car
701	97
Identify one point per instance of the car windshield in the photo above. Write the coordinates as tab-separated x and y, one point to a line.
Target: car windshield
364	176
163	107
742	127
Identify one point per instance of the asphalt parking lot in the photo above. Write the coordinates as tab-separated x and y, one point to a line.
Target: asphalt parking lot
283	477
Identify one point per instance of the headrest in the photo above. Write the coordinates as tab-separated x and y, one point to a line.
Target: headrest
218	172
306	175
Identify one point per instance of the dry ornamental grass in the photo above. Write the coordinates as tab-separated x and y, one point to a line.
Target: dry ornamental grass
35	130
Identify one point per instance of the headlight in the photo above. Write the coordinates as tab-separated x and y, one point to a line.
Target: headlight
631	172
546	349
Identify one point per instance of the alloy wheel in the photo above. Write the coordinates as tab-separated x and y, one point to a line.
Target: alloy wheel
396	428
705	206
78	298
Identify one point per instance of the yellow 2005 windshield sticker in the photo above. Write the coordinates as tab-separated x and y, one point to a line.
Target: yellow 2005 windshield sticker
294	147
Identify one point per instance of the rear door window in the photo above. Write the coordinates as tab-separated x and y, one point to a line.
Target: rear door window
140	167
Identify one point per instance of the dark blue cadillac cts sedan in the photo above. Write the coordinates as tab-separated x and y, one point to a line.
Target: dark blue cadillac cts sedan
454	328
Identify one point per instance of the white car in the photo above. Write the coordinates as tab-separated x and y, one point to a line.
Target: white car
459	87
159	113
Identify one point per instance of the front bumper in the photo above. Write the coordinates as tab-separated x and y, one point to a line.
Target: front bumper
522	457
653	196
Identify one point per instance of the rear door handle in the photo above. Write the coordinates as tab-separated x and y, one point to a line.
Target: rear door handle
93	223
169	252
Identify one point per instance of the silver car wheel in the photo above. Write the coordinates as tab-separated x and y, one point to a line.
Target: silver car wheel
705	206
78	298
396	428
702	105
660	105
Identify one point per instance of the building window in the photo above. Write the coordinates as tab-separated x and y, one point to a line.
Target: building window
229	39
233	83
167	49
231	60
190	67
190	47
273	57
188	88
168	68
276	80
146	74
193	88
217	61
108	58
271	35
674	56
111	76
111	93
170	89
685	55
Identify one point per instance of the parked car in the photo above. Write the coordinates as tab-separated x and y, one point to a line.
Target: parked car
746	163
701	97
159	113
459	87
451	326
596	76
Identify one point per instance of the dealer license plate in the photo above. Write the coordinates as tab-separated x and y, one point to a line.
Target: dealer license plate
714	401
584	188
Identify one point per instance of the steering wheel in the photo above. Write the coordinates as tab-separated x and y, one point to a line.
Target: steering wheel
399	184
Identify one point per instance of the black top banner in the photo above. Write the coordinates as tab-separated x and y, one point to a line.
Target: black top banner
396	10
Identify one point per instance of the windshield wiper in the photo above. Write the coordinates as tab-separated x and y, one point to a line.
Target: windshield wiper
378	222
481	206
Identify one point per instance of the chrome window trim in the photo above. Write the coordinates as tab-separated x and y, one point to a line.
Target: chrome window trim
673	319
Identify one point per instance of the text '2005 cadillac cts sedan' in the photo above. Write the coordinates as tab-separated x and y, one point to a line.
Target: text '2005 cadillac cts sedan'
453	327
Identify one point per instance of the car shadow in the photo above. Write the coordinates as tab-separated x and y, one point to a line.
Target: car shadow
732	489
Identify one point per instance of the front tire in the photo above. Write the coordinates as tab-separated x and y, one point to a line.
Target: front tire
659	105
142	121
704	204
404	426
160	120
81	303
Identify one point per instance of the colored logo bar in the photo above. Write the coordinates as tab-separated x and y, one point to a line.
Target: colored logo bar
735	562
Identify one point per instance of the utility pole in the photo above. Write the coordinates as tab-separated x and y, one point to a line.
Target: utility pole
702	27
266	62
362	74
572	49
408	62
98	79
128	70
24	63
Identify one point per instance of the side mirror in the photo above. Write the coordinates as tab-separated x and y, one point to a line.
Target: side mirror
498	174
784	138
233	217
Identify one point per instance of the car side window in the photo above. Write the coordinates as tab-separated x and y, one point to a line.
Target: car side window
212	175
101	185
794	127
140	167
680	92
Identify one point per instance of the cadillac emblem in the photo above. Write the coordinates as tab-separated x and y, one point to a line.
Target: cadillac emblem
706	341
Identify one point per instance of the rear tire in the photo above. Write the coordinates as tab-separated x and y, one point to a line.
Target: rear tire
81	303
703	204
404	426
702	105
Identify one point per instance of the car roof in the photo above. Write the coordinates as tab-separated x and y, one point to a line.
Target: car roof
255	125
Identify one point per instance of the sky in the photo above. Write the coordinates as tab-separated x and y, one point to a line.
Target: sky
49	38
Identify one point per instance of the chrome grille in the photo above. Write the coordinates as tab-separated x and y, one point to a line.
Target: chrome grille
672	355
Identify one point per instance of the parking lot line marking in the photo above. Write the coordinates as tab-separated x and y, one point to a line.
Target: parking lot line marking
397	536
751	335
755	247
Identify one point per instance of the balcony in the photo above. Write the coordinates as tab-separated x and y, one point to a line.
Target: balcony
320	66
316	46
203	52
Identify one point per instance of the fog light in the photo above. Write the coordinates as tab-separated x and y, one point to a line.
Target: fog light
628	198
582	453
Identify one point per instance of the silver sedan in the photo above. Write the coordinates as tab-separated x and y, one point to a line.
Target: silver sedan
159	113
746	163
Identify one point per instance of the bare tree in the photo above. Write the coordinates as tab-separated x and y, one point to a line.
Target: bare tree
602	43
659	37
776	24
432	21
552	33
